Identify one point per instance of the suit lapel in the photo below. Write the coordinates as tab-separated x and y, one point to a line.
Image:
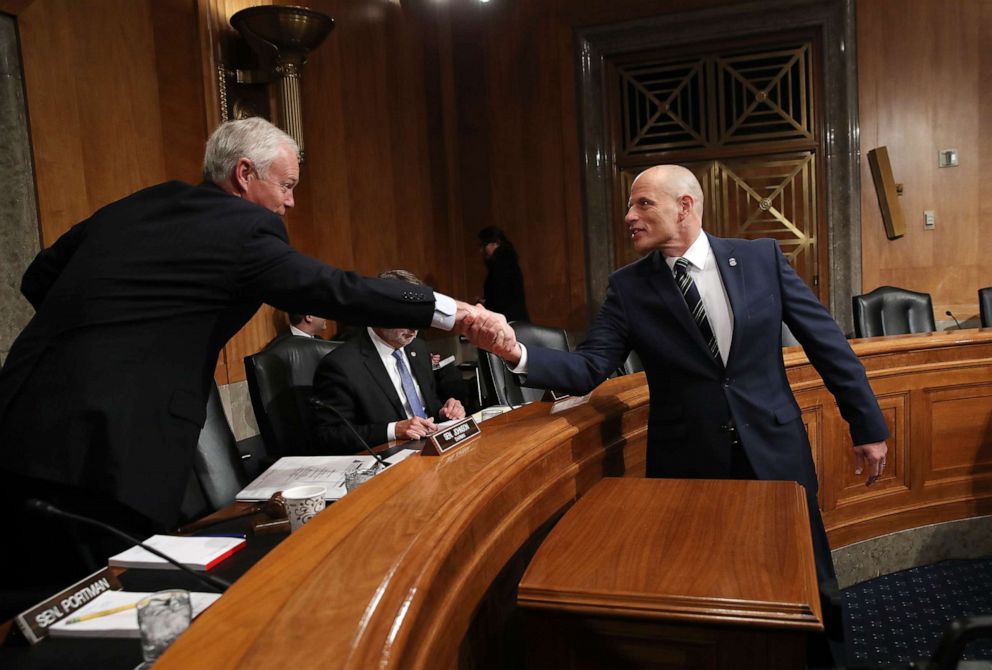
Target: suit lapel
373	363
732	274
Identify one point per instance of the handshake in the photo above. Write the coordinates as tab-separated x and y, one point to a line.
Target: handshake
487	330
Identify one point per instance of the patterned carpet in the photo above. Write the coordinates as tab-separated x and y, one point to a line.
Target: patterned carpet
900	617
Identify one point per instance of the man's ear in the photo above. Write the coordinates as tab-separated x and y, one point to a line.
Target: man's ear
242	174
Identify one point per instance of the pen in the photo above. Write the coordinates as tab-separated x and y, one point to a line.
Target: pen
240	536
96	615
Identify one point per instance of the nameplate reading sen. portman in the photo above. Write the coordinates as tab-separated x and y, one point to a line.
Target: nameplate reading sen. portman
448	438
34	622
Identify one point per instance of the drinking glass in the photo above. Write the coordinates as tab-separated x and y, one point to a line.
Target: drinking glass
162	617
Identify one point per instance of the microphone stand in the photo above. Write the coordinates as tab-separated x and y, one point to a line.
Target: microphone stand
317	402
42	507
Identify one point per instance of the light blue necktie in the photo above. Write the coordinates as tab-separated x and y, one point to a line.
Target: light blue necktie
406	379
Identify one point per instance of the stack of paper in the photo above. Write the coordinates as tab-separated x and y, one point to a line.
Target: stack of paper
326	471
196	553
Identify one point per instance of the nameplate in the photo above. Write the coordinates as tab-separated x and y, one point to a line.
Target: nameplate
34	622
445	440
550	395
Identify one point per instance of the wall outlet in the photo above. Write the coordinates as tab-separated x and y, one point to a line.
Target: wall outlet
929	219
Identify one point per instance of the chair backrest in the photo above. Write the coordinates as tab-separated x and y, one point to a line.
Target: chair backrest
280	383
500	384
985	306
533	335
218	471
892	311
632	364
788	339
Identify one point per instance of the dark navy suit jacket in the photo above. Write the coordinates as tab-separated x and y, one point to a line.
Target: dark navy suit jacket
693	396
354	380
106	388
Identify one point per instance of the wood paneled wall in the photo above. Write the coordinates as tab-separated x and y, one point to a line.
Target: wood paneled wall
924	69
520	159
426	121
114	100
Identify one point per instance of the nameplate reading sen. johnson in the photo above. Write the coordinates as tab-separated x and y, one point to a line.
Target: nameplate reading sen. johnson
34	622
448	438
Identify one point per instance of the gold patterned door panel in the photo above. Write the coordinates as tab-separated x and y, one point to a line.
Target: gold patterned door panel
744	121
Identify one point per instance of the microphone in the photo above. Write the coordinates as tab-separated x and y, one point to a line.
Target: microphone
958	323
317	402
48	509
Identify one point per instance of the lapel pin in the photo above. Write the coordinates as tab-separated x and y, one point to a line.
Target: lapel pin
733	262
413	353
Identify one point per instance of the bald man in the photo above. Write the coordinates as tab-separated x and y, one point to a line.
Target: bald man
704	314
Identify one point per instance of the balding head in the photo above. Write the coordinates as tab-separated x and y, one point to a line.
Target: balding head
676	181
665	210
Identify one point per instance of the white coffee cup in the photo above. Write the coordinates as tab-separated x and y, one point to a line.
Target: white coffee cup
302	504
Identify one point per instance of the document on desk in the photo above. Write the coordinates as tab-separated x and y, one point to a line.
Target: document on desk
123	623
326	471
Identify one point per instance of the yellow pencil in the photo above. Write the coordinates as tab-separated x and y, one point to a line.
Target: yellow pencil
96	615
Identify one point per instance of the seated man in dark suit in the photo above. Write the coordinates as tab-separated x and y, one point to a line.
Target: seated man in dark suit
306	325
383	383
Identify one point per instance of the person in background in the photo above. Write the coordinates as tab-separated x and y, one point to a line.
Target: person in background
383	383
306	325
503	290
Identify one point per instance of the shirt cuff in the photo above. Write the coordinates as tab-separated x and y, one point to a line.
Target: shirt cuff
444	311
391	431
521	368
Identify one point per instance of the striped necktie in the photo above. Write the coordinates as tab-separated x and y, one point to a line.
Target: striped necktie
695	304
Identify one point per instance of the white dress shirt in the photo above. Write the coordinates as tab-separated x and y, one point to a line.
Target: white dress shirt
299	333
385	351
444	312
706	276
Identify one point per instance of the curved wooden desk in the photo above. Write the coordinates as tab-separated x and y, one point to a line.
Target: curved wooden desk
392	576
935	390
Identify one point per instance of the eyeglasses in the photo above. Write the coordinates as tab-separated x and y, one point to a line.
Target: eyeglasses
284	187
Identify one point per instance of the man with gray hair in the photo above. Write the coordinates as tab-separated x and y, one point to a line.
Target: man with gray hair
103	395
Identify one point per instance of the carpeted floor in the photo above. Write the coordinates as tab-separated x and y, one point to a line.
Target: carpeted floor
901	617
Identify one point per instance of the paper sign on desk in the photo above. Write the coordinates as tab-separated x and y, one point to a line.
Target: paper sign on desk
196	553
326	471
118	624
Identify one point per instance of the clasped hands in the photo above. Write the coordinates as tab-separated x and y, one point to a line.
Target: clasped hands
488	330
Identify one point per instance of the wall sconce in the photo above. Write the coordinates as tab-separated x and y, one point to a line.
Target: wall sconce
281	37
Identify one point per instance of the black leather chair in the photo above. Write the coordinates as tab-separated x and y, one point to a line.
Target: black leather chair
218	469
985	306
280	383
788	339
502	387
632	364
892	311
